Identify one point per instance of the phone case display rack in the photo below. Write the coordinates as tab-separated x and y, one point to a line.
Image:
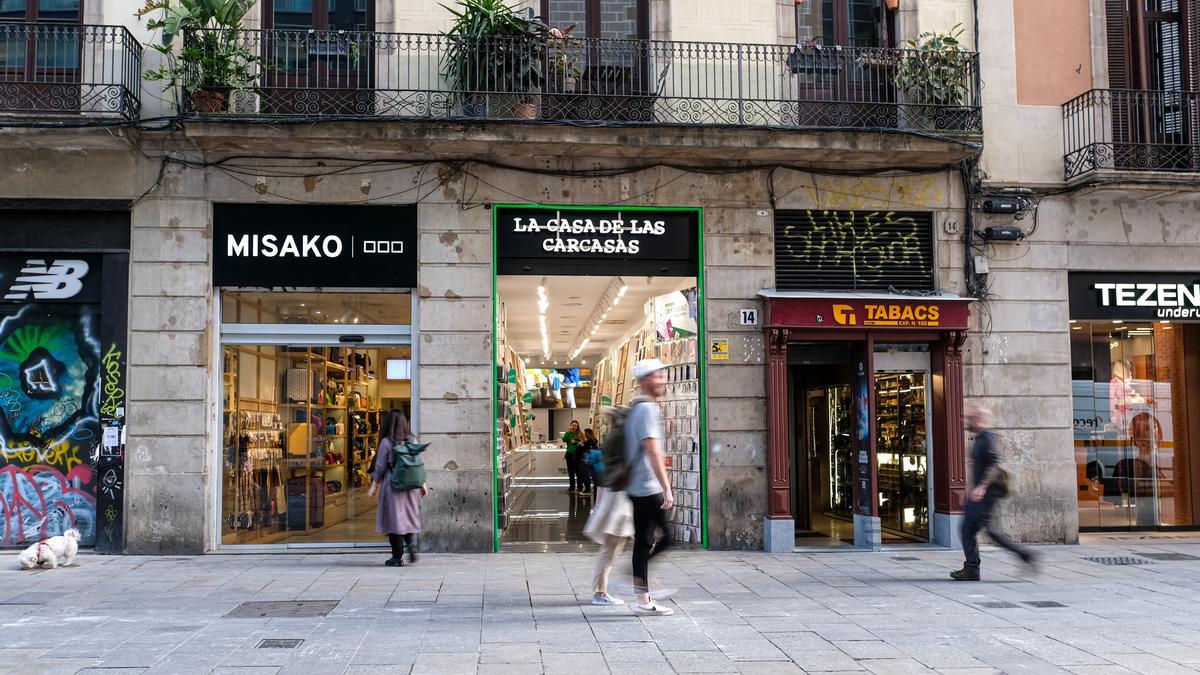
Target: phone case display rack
513	414
304	459
614	384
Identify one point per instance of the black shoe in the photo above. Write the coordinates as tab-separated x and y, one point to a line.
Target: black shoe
1031	561
394	562
412	555
965	575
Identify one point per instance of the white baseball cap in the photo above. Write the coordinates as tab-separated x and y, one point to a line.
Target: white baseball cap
647	366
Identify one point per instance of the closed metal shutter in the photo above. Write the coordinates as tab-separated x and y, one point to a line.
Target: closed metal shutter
818	353
853	250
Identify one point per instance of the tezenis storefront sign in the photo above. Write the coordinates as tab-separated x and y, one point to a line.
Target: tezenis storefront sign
588	240
283	246
1134	296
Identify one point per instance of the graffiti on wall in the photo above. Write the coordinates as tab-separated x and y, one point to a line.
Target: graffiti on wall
869	242
50	388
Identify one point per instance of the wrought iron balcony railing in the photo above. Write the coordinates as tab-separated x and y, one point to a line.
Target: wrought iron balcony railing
631	82
1132	130
69	69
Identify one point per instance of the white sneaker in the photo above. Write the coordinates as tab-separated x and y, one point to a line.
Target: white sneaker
606	600
651	609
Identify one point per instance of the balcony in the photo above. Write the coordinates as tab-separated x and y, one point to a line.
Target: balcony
1122	130
397	76
67	70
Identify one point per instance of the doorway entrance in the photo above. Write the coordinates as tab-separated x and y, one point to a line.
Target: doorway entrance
826	413
582	295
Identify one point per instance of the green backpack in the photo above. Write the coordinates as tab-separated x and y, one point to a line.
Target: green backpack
408	469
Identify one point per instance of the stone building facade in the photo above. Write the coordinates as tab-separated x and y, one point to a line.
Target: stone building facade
167	176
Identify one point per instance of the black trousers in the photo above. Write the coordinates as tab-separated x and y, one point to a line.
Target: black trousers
584	470
978	516
572	469
648	518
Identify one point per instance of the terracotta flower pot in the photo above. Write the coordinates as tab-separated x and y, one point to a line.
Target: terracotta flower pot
208	101
892	5
527	111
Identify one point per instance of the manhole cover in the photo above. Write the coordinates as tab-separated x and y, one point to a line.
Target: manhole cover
279	643
282	609
1118	560
32	598
905	558
1043	604
1171	557
997	605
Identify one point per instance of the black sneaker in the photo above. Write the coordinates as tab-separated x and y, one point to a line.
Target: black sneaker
1031	561
412	555
394	562
965	575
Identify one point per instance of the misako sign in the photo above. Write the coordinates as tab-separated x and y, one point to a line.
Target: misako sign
860	313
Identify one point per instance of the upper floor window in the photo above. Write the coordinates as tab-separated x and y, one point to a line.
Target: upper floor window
32	11
351	15
1152	44
601	19
852	23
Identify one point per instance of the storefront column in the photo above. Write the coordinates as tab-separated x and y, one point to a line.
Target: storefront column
780	526
949	461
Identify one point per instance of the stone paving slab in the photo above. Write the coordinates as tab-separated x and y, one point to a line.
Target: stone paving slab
736	612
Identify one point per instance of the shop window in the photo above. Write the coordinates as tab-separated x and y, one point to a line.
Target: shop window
1136	399
302	409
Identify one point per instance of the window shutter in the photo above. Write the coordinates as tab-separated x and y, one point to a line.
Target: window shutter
1117	24
853	250
1191	73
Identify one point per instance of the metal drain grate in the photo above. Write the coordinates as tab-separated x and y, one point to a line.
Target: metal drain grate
1169	557
282	609
905	558
1118	560
1042	604
997	605
280	643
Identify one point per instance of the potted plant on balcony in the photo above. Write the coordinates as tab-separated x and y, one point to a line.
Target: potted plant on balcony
561	101
495	50
213	60
934	81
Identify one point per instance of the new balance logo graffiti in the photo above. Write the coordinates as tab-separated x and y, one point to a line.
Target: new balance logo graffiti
60	280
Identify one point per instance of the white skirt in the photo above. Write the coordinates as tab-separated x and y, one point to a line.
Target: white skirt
612	516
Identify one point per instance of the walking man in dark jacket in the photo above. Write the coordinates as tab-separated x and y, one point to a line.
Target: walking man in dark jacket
983	495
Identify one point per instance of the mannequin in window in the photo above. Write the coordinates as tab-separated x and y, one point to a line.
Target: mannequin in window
1122	398
1136	476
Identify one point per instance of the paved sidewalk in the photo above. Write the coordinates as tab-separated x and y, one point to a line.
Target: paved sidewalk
890	612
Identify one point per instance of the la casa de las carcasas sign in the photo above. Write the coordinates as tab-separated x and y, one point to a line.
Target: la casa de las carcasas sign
590	239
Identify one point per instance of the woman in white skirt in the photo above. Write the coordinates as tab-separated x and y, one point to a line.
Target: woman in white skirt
610	526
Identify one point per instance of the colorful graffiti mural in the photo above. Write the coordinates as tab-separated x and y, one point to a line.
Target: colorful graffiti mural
50	369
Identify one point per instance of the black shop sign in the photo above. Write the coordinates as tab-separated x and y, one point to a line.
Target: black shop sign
51	277
1134	296
314	246
600	240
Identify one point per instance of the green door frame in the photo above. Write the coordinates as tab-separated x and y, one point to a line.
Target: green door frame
701	354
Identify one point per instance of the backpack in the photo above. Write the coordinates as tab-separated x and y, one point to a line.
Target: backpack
408	469
617	471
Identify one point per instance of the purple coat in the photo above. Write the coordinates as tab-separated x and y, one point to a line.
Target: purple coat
399	512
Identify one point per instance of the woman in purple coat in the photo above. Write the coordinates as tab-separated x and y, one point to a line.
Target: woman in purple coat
399	513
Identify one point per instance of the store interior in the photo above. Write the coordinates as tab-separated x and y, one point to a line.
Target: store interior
825	415
301	422
566	348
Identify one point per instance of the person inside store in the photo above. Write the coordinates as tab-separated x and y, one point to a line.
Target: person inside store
1122	397
649	488
988	486
592	459
573	438
399	512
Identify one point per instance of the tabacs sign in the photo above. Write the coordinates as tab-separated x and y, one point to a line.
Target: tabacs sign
902	313
285	246
1119	296
588	240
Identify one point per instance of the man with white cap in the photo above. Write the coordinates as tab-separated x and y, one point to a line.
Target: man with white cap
649	489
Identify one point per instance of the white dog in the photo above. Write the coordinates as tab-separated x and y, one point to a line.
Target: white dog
52	552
